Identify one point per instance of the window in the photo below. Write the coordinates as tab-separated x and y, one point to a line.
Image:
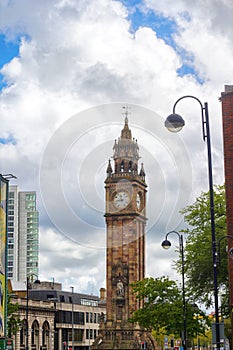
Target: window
87	333
62	298
30	197
78	334
89	302
79	317
50	296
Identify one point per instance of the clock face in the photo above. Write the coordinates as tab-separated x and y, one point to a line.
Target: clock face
138	201
121	200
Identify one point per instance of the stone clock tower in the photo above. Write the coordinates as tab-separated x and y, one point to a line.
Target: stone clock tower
126	220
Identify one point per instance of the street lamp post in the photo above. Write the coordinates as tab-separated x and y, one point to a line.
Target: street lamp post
166	244
175	123
27	306
72	317
27	296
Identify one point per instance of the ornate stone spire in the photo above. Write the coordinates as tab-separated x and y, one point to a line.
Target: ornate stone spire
126	152
125	155
126	132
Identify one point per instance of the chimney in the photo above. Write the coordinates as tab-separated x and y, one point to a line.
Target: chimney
102	293
228	88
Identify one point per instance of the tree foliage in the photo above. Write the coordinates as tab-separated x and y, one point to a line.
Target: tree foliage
163	308
14	323
198	248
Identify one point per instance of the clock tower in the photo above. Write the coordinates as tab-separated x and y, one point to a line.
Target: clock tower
125	222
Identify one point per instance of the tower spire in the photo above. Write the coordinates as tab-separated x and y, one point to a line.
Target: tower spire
126	152
126	132
125	155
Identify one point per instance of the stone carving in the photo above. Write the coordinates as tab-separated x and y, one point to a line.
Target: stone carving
120	288
120	279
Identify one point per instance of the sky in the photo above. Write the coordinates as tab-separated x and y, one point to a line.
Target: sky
67	69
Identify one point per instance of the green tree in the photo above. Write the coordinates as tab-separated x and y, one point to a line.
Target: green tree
163	308
198	248
14	323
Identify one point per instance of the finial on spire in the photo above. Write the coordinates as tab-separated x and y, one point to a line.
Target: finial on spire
126	113
126	132
142	171
109	168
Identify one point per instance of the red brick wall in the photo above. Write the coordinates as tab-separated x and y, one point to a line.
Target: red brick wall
227	116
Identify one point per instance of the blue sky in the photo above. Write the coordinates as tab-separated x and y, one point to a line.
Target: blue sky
8	50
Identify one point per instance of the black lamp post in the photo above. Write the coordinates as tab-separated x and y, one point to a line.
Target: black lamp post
72	317
166	244
27	299
175	123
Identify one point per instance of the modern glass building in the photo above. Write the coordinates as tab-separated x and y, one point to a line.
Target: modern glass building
23	234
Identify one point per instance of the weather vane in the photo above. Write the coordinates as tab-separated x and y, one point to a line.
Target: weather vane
126	110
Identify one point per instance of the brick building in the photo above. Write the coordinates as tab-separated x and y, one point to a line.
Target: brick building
227	117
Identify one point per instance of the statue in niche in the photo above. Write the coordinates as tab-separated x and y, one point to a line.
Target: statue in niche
120	288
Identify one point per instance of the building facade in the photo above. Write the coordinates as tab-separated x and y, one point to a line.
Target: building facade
77	317
40	317
125	224
23	234
227	118
57	319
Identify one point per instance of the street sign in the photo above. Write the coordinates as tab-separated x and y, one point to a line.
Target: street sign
6	344
221	331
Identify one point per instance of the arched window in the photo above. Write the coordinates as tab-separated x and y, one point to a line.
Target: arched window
130	165
45	335
23	332
35	336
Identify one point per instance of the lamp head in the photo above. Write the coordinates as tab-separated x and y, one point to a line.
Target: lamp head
230	252
166	244
174	122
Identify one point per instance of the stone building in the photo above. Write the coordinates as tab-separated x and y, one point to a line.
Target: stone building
41	327
57	319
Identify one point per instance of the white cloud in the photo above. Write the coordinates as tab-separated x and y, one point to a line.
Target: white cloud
204	29
76	56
